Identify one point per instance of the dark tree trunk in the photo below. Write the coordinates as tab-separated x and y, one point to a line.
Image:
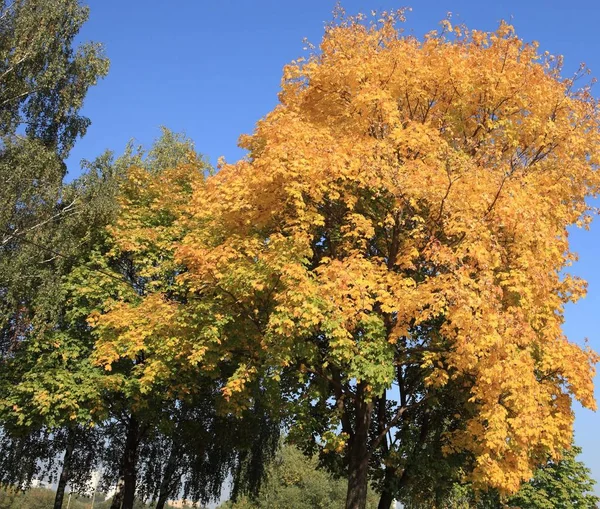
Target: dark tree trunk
65	473
117	499
356	497
387	493
129	463
125	493
359	454
386	499
166	484
393	484
162	499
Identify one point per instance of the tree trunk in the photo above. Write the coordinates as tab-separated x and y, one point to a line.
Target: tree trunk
358	467
162	499
65	473
125	491
129	463
392	484
166	484
117	499
387	493
386	499
356	497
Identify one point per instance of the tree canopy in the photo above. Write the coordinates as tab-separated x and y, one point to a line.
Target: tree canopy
383	277
401	220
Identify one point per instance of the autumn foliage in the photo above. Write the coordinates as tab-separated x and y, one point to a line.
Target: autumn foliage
400	221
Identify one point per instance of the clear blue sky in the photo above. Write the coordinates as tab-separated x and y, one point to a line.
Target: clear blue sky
211	69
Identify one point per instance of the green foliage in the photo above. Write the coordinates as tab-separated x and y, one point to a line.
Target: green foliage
26	456
39	498
49	378
43	82
30	179
53	380
35	498
44	379
44	79
565	484
42	498
294	481
169	150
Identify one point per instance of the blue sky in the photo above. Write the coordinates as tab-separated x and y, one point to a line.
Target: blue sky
211	69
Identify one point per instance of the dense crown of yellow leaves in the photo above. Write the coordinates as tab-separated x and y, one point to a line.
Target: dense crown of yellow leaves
400	183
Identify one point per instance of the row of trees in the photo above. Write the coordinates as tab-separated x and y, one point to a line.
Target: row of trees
63	417
58	400
381	277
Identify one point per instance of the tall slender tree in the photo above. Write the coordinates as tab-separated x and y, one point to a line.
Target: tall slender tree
43	82
44	79
48	382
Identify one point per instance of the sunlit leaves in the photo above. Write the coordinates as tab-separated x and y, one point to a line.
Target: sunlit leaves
402	183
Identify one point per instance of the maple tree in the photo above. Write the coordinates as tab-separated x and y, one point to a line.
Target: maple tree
384	273
49	381
117	272
401	222
88	392
165	390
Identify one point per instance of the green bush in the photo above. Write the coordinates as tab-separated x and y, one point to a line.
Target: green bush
295	482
